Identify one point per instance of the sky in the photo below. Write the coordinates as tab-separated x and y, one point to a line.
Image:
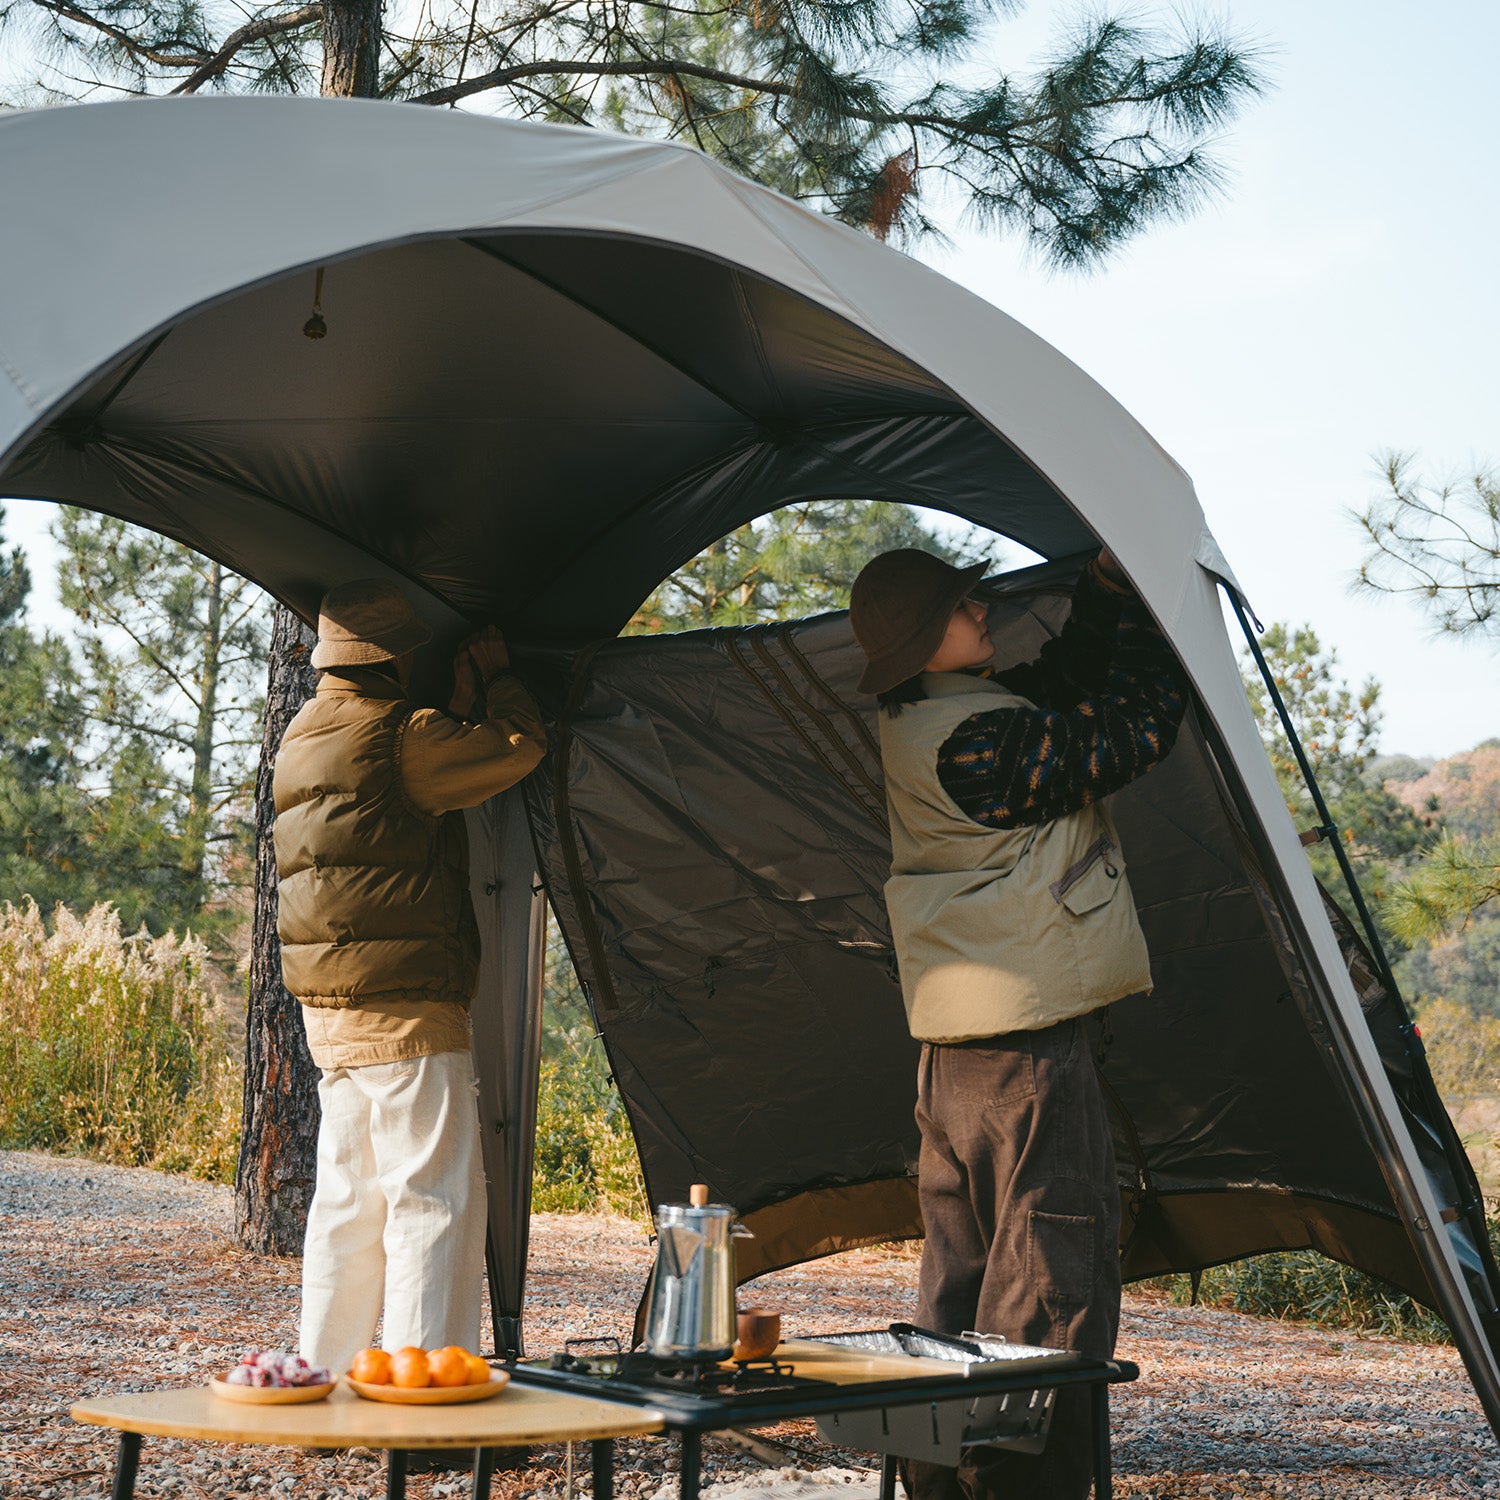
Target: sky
1340	299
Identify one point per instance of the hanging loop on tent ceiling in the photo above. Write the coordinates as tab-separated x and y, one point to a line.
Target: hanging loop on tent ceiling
315	327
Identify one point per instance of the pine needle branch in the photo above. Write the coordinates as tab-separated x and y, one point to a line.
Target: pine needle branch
253	31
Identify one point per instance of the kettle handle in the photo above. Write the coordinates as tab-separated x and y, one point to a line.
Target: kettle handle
738	1231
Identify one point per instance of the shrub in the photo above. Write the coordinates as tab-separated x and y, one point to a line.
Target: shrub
112	1046
585	1154
1301	1286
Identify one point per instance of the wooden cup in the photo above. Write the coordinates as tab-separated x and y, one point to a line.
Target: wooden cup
757	1333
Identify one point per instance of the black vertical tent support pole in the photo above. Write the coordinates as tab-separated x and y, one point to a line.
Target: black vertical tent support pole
1458	1161
1327	828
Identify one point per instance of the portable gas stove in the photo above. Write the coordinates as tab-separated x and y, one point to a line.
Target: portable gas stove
893	1392
685	1385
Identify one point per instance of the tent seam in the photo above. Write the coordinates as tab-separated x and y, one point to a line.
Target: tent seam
31	401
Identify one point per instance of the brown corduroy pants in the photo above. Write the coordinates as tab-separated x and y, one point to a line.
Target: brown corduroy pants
1022	1215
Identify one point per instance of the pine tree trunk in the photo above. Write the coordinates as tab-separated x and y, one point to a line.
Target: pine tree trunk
351	48
201	790
279	1127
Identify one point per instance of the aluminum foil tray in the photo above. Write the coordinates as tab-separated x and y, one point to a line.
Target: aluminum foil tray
982	1347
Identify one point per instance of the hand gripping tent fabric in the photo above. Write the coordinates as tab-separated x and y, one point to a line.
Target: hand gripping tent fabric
557	364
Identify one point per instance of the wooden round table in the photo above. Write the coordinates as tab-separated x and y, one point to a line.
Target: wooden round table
520	1415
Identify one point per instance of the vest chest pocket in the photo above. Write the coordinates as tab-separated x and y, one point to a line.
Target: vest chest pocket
1092	881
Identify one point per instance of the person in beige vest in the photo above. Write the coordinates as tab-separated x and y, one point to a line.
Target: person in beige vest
1013	921
380	944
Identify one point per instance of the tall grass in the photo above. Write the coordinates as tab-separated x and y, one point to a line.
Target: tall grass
112	1047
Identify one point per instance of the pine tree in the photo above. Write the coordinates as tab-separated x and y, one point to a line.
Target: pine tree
173	662
42	826
1436	545
1439	546
846	104
79	823
795	562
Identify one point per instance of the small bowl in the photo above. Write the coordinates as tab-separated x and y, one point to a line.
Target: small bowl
757	1333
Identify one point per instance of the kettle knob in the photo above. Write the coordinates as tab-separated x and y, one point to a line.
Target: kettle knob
698	1195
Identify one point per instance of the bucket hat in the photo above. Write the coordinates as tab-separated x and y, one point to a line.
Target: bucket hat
899	607
366	621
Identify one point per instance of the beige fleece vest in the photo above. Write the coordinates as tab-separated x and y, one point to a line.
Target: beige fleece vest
374	893
997	930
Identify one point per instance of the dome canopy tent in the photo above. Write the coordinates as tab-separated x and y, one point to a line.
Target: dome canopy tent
558	364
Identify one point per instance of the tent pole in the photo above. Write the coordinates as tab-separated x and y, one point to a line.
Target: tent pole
1327	828
1472	1210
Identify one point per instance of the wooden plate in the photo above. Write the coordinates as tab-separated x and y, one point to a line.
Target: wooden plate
429	1395
270	1395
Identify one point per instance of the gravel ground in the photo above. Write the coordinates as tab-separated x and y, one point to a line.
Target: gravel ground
115	1279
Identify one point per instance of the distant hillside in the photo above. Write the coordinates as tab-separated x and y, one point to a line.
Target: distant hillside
1467	789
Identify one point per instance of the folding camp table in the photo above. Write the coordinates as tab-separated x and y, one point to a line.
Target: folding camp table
519	1416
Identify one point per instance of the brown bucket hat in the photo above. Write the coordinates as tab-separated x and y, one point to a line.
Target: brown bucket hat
899	607
366	621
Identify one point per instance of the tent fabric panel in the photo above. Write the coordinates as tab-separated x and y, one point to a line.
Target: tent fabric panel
936	460
827	1221
776	355
1193	1231
248	189
507	1023
688	200
487	452
720	795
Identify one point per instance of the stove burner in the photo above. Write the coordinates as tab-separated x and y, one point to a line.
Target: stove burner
640	1371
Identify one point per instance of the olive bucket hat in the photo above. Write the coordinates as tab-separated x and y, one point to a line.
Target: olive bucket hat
899	608
369	620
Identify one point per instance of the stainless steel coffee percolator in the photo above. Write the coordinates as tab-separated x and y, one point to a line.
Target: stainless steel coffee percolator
690	1305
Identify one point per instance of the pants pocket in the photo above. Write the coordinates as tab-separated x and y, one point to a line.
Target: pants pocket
1062	1255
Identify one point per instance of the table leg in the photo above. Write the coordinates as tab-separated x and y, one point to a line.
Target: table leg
126	1465
888	1476
604	1468
395	1474
690	1465
1103	1479
484	1468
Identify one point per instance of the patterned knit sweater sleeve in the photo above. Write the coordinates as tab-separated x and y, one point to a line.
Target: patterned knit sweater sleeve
1015	767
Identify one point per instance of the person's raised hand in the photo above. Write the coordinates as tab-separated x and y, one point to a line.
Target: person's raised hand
465	685
487	651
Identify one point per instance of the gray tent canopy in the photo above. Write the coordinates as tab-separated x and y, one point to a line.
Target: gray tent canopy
558	364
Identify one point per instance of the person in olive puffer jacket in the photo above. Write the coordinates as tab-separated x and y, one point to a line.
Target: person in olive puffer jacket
380	945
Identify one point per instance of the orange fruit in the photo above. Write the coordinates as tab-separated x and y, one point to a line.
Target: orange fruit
409	1368
449	1366
479	1370
373	1366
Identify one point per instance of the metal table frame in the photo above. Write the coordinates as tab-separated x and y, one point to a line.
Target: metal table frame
127	1464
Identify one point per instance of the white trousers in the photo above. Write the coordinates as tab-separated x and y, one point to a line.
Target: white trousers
398	1215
